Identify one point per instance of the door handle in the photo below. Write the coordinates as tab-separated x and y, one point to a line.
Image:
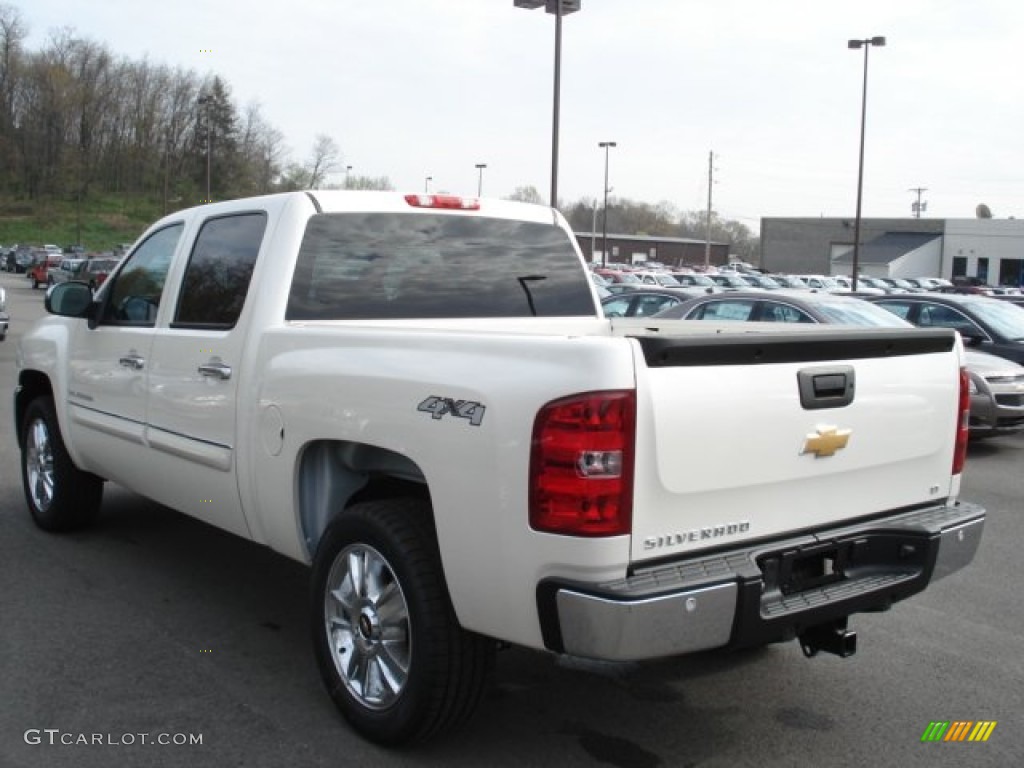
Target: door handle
134	362
215	370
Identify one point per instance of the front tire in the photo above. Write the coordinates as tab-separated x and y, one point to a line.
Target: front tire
388	644
60	496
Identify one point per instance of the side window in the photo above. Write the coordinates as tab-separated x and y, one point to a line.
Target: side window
946	317
134	296
617	307
219	270
731	310
652	305
783	313
900	309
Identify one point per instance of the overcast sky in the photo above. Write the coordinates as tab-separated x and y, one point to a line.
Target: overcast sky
417	88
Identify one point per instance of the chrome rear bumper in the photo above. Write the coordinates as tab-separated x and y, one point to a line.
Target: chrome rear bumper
771	591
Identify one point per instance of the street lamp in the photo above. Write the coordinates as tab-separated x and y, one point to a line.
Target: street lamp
348	169
606	146
480	179
559	8
204	102
426	184
866	45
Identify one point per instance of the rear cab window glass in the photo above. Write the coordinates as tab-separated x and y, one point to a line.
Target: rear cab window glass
134	296
390	266
219	269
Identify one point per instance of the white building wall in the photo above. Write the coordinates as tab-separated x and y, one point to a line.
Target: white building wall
973	239
925	261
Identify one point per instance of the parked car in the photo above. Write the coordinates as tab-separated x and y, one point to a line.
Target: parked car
4	319
693	280
783	306
972	285
657	278
18	259
898	282
615	276
985	323
996	388
929	283
867	286
822	283
67	269
731	281
645	302
42	263
767	282
997	395
790	281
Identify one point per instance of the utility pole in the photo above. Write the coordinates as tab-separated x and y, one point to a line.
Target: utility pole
918	206
711	181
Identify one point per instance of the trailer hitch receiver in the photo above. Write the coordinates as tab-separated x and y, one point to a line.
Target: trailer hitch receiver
832	637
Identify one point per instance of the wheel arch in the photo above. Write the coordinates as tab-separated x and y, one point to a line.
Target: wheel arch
335	474
31	384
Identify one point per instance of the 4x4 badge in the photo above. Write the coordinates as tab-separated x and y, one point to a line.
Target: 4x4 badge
826	441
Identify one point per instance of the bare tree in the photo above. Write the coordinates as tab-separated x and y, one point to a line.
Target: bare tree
325	158
368	182
527	194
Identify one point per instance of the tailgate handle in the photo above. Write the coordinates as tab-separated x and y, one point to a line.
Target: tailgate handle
826	387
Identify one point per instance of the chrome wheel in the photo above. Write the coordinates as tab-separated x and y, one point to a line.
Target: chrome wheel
367	623
39	465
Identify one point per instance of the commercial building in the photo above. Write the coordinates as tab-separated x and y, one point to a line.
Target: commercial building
633	249
992	249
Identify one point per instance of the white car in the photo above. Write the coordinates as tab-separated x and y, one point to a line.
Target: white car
823	283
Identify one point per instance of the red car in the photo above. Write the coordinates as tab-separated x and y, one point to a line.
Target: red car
40	269
95	271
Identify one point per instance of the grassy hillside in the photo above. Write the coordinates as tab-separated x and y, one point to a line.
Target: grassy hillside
102	223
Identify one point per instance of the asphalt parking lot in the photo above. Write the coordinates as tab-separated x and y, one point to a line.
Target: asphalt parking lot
153	627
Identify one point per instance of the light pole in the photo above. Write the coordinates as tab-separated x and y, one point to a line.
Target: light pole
426	184
559	8
480	179
204	102
866	44
606	146
348	169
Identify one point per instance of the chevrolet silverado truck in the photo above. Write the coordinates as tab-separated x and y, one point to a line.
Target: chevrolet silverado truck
419	397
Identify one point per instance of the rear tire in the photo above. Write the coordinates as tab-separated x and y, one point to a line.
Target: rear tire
60	496
388	644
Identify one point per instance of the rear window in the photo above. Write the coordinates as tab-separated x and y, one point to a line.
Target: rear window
376	266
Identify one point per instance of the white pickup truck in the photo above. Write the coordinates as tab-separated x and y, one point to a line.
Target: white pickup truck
418	396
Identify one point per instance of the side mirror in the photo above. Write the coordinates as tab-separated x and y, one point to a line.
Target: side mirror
71	299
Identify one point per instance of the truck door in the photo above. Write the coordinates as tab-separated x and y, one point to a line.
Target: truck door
194	379
109	362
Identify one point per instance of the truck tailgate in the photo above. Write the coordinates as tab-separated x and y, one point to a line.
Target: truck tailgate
749	436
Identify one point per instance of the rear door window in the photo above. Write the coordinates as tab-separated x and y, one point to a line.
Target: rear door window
369	266
219	270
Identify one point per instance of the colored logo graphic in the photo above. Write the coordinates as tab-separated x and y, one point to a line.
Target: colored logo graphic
959	730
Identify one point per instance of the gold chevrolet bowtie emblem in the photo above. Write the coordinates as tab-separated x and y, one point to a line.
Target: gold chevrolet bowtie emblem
827	441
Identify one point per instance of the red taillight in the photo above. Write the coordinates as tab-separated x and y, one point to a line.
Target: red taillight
451	202
962	423
581	465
